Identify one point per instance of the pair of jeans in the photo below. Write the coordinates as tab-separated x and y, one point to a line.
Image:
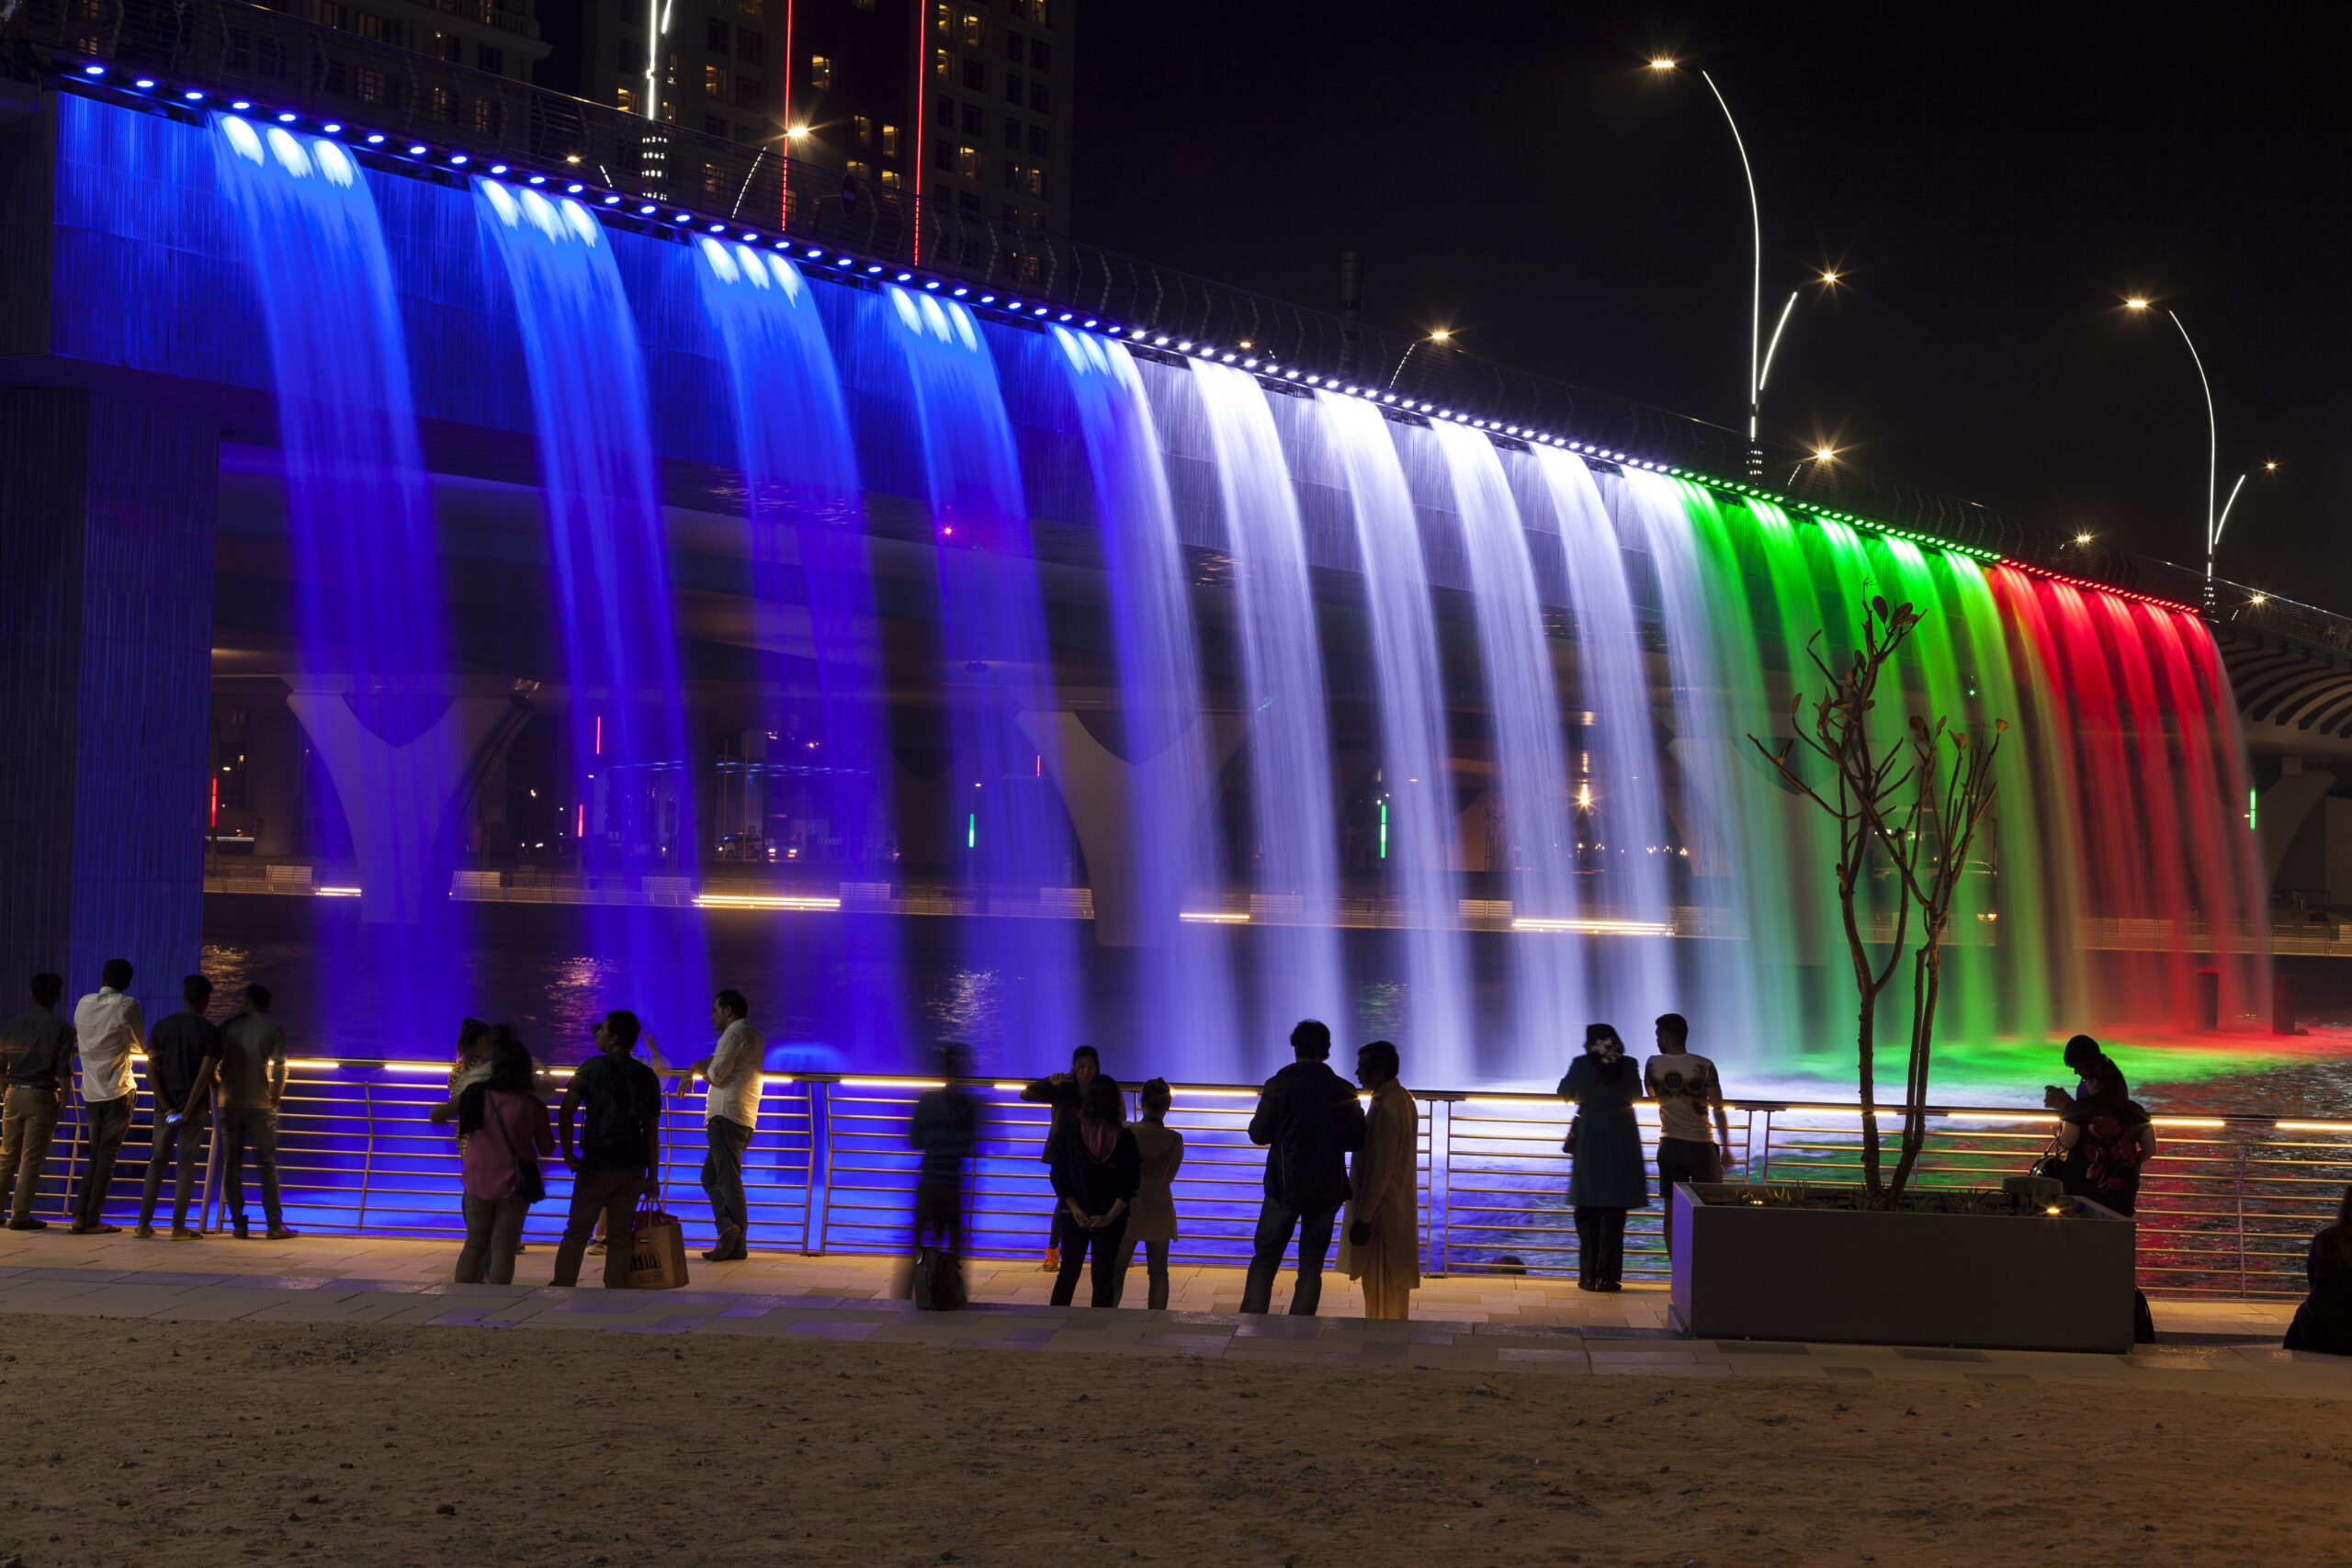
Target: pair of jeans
254	1127
107	1121
611	1195
493	1231
1108	1245
1155	1258
29	1122
187	1140
1600	1245
1275	1222
722	1176
1684	1159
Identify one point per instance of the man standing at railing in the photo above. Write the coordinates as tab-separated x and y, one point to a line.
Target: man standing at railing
620	1148
1310	1120
252	1086
1685	1086
106	1029
181	1061
39	1048
733	1112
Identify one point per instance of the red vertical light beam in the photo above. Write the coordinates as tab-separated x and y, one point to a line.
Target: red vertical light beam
915	133
215	801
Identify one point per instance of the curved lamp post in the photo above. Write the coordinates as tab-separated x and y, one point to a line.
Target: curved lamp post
2213	447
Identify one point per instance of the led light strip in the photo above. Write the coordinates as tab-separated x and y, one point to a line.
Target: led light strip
613	202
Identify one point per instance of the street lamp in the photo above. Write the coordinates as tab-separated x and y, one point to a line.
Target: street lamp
2212	445
1438	335
1756	293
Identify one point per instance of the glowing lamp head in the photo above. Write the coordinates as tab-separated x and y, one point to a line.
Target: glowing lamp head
1661	64
1823	454
1441	335
2270	467
2135	304
797	133
2082	538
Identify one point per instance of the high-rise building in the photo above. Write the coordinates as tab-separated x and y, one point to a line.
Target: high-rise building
497	36
966	101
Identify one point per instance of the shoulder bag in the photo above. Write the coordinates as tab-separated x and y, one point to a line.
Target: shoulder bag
529	1185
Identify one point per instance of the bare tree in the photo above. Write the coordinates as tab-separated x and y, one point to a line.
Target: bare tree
1908	807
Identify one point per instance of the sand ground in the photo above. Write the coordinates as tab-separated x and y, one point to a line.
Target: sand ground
145	1442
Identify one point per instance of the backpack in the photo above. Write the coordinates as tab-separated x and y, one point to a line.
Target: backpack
618	1100
938	1280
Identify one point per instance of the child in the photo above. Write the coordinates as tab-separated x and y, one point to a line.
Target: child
1152	1218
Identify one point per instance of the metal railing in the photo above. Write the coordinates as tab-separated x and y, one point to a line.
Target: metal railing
281	63
2226	1209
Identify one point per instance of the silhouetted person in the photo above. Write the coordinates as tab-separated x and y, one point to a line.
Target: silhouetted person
731	1112
619	1103
1095	1172
1151	1218
108	1028
1061	1090
1308	1121
252	1086
2107	1137
1685	1086
944	1129
1606	1179
506	1127
1383	1245
183	1056
2324	1320
40	1047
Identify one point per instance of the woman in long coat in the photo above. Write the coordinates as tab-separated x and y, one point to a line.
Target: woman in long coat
1607	1178
1382	1245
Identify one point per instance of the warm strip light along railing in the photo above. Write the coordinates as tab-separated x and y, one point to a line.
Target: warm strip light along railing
2227	1209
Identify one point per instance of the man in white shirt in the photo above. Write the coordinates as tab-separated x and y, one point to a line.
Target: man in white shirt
1685	1086
733	1107
106	1029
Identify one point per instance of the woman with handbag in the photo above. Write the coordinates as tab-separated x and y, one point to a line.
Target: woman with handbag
506	1133
1606	1181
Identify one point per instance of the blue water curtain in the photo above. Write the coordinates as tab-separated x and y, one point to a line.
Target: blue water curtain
1015	864
372	685
1293	857
1167	898
823	721
634	803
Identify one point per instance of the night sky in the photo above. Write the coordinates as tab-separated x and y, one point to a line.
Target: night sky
1992	182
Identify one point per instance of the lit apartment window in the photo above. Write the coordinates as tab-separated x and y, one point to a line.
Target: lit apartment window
820	71
943	18
975	30
625	99
943	64
968	163
889	141
860	170
863	127
890	180
714	81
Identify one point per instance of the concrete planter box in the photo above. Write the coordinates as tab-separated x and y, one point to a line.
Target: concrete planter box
1992	1282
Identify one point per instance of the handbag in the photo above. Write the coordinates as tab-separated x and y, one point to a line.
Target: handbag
1568	1143
2051	1166
656	1249
529	1185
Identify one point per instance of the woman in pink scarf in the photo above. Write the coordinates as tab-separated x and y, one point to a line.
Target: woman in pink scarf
1095	1176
